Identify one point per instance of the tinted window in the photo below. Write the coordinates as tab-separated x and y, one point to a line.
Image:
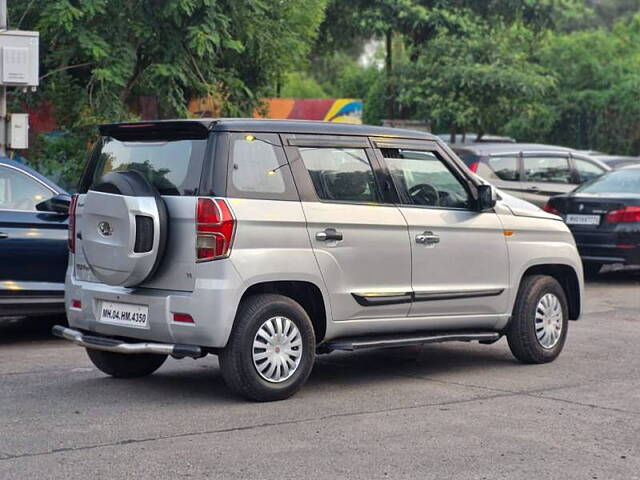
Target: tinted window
547	169
19	191
619	181
255	167
423	179
506	168
587	170
173	167
341	174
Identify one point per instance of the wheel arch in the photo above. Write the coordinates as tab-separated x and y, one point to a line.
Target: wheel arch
306	293
567	277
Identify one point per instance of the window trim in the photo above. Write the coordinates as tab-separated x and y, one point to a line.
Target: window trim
432	147
33	177
301	175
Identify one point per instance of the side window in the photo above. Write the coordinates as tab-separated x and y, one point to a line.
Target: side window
423	179
341	174
587	170
506	168
20	192
548	169
258	168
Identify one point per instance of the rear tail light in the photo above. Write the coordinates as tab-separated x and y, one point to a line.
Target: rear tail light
550	209
215	228
71	240
474	167
76	304
623	215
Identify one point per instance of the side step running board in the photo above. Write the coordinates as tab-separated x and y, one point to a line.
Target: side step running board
359	343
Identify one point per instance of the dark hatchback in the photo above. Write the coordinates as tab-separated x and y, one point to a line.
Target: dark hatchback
33	241
604	217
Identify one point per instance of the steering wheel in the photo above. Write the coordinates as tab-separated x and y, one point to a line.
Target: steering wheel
424	194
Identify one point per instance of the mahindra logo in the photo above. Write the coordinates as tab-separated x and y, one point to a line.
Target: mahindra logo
581	207
105	229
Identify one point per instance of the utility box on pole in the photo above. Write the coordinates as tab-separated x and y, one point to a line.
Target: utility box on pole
19	58
19	131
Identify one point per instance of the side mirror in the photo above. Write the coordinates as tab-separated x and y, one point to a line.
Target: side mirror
486	197
58	204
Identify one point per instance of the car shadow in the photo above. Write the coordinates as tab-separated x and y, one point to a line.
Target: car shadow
16	330
616	274
201	383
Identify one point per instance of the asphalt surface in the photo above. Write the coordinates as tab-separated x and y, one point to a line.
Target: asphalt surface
462	411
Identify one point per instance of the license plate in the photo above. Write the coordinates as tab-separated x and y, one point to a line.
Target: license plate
582	219
126	314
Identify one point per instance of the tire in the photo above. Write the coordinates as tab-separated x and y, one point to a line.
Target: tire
591	269
121	365
538	291
239	361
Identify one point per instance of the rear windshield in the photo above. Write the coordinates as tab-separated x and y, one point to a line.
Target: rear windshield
172	166
619	181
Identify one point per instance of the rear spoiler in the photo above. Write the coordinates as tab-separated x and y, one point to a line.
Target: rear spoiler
170	130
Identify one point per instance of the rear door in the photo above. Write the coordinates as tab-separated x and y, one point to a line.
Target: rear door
459	255
172	158
359	240
33	244
546	174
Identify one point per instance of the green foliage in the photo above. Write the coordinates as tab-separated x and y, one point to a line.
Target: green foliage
98	56
301	85
596	104
474	82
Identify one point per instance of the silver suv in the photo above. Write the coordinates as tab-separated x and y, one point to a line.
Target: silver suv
266	242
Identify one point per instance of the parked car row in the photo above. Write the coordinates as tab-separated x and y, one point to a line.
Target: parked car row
33	241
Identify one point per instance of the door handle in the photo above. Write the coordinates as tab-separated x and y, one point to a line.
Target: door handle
328	234
533	189
4	235
427	238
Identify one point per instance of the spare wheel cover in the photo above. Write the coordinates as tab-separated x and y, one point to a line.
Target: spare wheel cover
124	228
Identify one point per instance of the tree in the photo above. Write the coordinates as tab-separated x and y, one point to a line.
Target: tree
98	56
596	104
476	81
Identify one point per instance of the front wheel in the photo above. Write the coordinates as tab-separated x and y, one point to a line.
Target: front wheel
538	327
122	365
271	350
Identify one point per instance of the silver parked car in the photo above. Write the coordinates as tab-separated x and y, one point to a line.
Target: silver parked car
532	172
265	242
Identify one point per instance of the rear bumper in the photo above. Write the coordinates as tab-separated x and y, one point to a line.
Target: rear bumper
609	254
119	346
212	305
32	304
609	247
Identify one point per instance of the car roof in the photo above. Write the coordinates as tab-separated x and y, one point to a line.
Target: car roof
30	171
489	148
285	126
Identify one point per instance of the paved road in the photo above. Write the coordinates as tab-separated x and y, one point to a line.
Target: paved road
443	411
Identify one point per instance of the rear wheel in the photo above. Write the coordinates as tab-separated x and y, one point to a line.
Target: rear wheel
271	350
591	269
122	365
539	323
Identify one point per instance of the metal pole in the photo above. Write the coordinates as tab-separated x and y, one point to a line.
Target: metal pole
3	89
